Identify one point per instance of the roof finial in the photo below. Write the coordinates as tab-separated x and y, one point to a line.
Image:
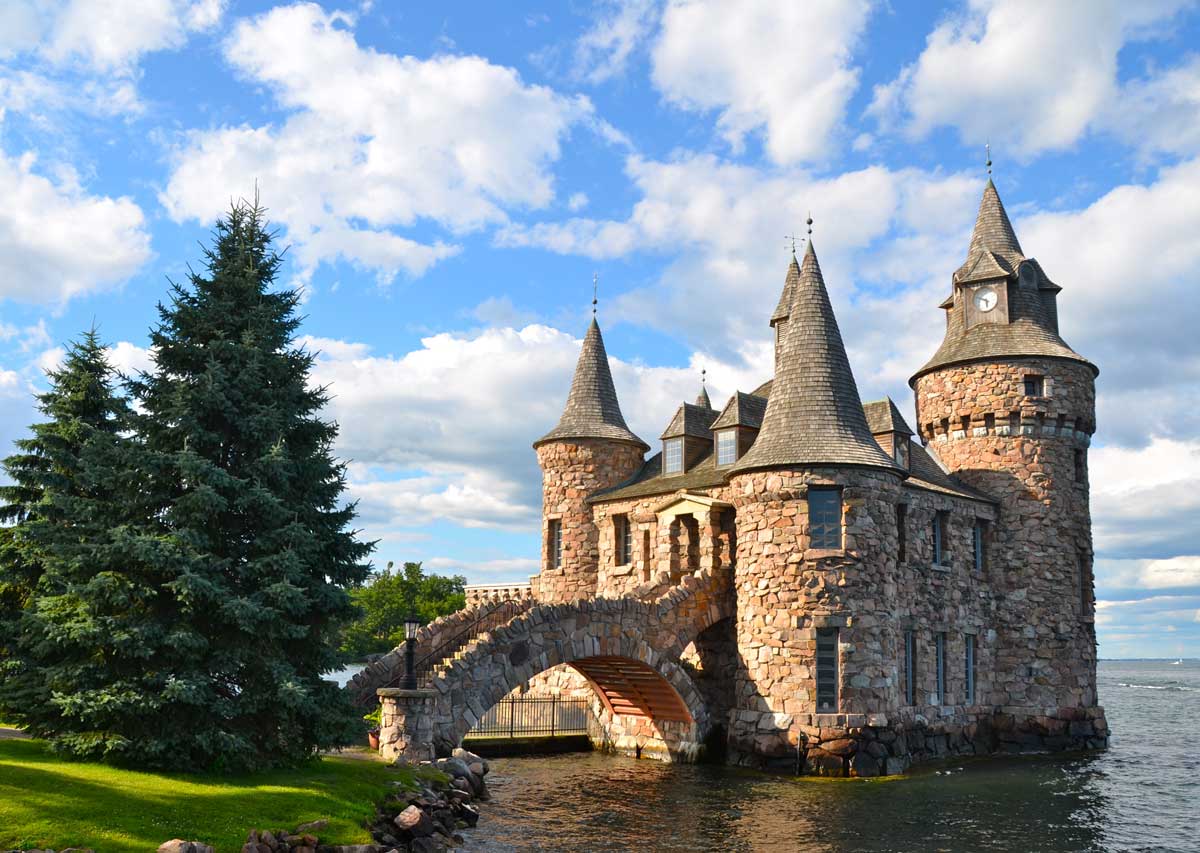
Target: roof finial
793	238
703	375
595	290
808	222
988	145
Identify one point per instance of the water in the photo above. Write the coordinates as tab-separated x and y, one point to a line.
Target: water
1142	794
342	676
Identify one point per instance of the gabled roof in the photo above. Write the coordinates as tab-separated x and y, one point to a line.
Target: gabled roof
744	410
690	420
592	409
883	416
789	287
985	265
814	415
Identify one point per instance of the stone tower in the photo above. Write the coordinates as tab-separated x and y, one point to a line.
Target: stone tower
815	449
590	449
1010	409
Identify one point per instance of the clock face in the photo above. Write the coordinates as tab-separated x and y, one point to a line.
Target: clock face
986	299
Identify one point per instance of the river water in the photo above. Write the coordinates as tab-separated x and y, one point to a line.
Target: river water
1142	794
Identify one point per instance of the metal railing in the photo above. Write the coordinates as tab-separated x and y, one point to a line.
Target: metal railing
529	716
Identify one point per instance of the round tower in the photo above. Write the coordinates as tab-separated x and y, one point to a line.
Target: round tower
1009	408
590	449
815	497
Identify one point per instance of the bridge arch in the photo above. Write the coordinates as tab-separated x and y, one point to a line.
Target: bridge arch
628	649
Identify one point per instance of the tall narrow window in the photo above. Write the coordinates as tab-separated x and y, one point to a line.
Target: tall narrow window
979	544
1035	386
1080	466
910	668
645	555
726	447
827	670
901	533
941	668
554	543
939	538
1085	586
825	517
673	456
624	536
901	451
970	667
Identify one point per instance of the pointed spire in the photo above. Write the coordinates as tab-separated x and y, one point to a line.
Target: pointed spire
789	287
993	232
702	398
592	409
814	414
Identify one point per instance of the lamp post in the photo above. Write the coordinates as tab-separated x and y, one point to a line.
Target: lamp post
411	625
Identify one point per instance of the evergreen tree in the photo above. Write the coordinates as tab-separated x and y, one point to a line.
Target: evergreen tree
240	468
62	504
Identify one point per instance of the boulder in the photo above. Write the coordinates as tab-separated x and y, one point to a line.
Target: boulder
415	821
178	845
864	764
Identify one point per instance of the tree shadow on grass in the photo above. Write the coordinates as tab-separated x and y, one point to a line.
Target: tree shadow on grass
58	803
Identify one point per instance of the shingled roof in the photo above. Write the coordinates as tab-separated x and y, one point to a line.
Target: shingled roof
742	410
994	253
789	288
592	409
814	415
883	416
691	420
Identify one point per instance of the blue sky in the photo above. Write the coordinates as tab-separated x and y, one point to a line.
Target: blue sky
448	183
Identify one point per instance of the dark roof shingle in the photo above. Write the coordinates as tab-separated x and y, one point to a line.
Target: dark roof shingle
814	415
592	409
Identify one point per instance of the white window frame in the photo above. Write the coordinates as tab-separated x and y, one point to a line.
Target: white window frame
669	446
727	441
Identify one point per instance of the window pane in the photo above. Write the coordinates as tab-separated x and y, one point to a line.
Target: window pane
554	535
673	456
910	668
941	669
825	518
970	669
978	545
937	539
726	447
827	669
902	532
1034	386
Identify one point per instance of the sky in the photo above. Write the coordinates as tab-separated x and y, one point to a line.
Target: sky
448	178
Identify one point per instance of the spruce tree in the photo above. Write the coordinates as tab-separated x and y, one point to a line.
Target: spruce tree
63	503
240	468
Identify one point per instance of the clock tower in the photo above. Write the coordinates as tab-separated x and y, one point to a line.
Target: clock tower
1009	408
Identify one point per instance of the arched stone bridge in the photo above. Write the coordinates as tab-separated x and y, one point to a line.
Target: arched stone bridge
630	650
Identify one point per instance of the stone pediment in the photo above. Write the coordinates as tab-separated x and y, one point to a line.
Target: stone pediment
687	503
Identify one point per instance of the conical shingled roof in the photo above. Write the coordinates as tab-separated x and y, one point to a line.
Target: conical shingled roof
789	288
702	398
995	254
592	409
814	414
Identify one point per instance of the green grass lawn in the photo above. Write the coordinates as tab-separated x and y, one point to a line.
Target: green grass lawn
48	802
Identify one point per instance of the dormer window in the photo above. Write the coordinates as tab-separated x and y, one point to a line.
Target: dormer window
901	451
726	447
673	456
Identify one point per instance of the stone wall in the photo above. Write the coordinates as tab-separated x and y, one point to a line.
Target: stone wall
572	470
1031	454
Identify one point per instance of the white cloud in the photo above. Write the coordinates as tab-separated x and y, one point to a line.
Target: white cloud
444	432
57	241
83	54
1029	74
577	202
1149	574
504	570
619	28
1127	263
373	142
780	68
1159	112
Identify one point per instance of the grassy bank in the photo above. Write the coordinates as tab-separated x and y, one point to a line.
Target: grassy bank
48	802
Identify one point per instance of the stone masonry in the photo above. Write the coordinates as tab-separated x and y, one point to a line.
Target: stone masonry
802	582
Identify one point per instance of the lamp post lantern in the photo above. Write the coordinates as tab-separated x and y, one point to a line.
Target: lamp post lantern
411	625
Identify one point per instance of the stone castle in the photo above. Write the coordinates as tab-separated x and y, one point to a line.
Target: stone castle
797	579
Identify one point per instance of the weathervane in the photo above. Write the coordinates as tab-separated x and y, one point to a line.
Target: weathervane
793	238
808	222
703	376
595	290
988	146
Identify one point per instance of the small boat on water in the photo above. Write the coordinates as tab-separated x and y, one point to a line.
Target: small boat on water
1177	662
